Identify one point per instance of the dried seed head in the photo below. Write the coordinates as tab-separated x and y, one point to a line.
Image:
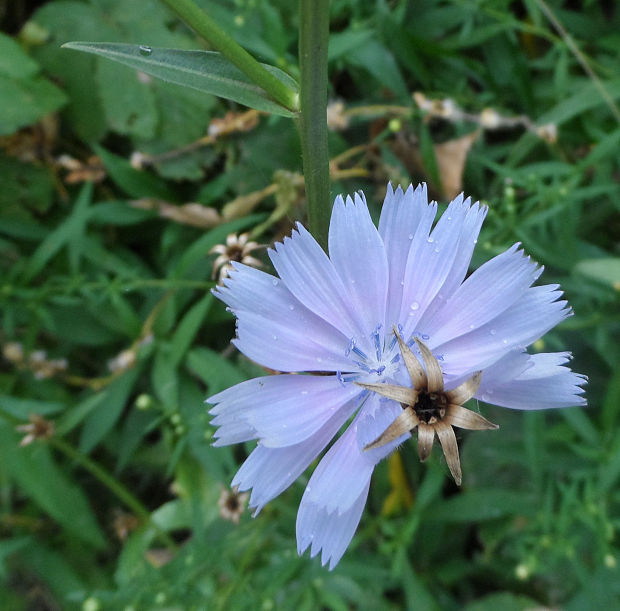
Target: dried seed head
236	249
429	408
37	429
232	504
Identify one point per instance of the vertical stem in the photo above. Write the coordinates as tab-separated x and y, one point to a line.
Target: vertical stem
312	123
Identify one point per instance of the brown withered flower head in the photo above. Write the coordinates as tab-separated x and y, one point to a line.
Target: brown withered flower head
38	428
237	248
430	408
232	504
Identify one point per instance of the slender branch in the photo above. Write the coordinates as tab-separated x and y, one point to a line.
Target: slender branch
122	493
313	41
235	53
581	58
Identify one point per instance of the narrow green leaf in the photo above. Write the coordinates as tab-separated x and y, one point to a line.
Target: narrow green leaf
605	270
188	327
49	486
203	70
105	415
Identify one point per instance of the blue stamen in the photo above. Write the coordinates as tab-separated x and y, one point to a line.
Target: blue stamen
363	366
359	352
376	339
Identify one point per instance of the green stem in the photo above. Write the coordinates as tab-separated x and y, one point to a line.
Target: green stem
313	40
237	55
113	485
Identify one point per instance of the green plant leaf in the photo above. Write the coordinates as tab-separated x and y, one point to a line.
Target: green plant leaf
203	70
605	270
49	486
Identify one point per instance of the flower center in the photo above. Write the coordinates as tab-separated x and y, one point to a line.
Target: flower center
430	406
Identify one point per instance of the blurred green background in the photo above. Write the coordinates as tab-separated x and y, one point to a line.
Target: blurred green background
114	187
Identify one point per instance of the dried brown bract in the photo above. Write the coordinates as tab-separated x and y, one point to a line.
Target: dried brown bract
430	408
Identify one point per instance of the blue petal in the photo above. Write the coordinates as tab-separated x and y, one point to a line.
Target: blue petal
467	241
358	254
544	384
345	470
276	330
280	410
269	471
429	264
538	310
402	215
330	533
488	292
311	277
406	219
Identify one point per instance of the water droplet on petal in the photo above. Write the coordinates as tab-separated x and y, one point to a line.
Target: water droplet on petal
274	282
471	326
436	248
291	307
275	337
145	50
504	341
411	236
492	331
415	305
430	239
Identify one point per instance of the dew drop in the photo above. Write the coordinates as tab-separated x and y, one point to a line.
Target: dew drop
304	392
449	218
436	248
291	307
402	283
274	282
319	359
411	236
430	239
504	341
145	50
475	241
471	326
492	331
415	305
275	337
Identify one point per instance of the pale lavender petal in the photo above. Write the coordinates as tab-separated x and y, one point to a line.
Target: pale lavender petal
357	252
405	218
311	277
545	384
329	532
280	410
429	263
488	292
538	310
345	470
275	329
467	241
270	471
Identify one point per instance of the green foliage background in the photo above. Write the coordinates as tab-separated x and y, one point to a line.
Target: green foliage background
84	275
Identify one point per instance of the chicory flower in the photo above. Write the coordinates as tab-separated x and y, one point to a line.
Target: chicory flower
386	331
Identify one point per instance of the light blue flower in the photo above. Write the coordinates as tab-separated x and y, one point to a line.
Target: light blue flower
332	325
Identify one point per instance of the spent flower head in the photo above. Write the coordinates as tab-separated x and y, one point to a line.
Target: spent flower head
388	330
236	249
